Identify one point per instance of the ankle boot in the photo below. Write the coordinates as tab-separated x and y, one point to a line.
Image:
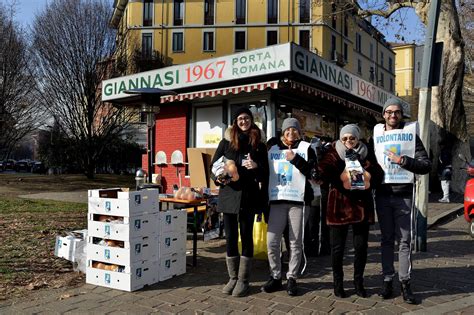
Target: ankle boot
242	286
387	290
233	270
339	289
359	288
407	294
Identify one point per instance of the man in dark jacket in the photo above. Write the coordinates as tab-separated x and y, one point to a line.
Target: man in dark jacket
401	154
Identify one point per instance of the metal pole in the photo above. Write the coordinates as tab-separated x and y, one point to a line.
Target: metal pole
150	124
424	113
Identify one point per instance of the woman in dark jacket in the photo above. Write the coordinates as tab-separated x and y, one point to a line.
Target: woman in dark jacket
352	172
291	164
240	200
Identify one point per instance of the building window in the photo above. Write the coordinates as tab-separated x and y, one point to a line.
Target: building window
240	40
272	11
208	41
346	25
358	42
147	12
346	56
178	42
208	12
372	74
382	79
178	12
147	45
359	66
333	47
305	10
240	11
304	39
381	59
391	85
371	51
272	38
390	65
333	15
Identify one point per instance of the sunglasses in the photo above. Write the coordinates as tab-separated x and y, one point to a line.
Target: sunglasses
344	139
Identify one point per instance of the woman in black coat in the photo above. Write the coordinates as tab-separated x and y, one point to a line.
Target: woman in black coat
240	200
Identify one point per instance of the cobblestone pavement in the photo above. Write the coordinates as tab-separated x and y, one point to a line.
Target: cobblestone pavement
443	281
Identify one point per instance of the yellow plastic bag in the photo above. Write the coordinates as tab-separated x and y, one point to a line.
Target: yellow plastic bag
259	238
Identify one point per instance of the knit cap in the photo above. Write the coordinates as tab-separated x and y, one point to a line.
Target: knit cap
352	129
392	101
240	111
291	122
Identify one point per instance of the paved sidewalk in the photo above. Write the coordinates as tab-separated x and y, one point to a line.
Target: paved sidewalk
443	280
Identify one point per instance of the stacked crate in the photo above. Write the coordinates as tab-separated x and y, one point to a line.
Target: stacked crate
124	237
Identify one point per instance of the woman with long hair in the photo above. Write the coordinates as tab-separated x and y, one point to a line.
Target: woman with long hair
239	200
351	172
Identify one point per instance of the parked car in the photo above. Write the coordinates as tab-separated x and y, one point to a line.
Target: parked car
38	167
9	165
2	166
22	166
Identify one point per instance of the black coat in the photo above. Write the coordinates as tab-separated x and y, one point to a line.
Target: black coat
250	192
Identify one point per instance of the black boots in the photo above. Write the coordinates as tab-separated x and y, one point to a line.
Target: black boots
387	290
339	289
272	285
407	294
291	287
359	288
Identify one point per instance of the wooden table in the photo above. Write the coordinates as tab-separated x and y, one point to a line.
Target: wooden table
194	204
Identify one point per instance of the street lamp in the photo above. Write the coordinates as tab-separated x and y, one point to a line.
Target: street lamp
147	100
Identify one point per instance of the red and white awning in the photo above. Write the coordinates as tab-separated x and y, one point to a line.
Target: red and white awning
221	91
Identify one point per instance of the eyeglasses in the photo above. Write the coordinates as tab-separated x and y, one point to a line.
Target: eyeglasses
243	118
391	112
344	139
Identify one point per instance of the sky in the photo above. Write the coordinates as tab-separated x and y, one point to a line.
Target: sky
411	30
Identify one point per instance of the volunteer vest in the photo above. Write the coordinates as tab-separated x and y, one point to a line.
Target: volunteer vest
399	141
286	181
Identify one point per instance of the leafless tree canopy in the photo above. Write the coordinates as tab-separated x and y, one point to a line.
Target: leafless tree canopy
19	113
72	43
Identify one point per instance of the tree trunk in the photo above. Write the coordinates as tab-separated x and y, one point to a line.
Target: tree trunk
448	116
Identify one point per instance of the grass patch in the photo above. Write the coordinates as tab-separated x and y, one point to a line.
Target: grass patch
16	205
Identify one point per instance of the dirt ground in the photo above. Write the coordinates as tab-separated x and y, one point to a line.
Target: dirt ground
28	230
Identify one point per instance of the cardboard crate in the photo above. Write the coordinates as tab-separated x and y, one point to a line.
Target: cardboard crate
65	247
172	221
131	228
172	243
172	265
200	165
121	202
134	277
138	249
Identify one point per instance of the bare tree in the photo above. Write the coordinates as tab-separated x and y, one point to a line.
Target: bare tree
19	114
73	45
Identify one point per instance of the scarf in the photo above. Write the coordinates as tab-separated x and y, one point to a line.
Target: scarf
341	149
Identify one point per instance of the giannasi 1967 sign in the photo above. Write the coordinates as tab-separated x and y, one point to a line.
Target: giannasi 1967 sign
268	60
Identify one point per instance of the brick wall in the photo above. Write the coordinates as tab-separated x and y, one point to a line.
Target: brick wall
171	132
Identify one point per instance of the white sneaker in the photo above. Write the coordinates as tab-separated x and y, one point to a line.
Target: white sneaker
444	200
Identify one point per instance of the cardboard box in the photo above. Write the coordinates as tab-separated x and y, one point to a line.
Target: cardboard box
172	243
172	221
138	249
121	202
172	265
66	247
199	166
130	228
134	278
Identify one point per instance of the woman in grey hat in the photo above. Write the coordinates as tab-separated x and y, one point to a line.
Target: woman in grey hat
291	163
351	171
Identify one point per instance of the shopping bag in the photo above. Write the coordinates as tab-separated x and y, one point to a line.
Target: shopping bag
259	238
